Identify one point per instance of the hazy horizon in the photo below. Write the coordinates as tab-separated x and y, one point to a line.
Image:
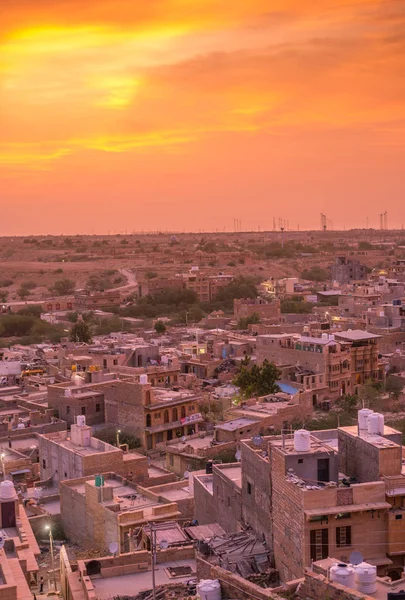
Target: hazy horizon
183	116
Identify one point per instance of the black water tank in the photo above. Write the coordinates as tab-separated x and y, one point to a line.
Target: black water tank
208	467
396	595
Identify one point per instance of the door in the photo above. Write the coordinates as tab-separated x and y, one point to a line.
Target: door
8	514
323	469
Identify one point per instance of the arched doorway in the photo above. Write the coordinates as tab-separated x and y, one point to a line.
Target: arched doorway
175	414
166	416
148	420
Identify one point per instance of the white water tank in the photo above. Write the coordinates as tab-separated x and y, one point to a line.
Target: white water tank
373	424
7	490
302	440
77	380
81	420
68	393
343	574
143	379
381	424
363	416
365	578
209	589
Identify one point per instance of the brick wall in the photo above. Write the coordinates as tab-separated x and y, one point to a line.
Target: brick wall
232	585
256	505
288	520
205	510
227	499
317	586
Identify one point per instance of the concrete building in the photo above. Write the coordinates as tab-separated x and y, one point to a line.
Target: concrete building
18	558
217	497
326	494
87	300
100	510
246	307
63	457
364	361
346	270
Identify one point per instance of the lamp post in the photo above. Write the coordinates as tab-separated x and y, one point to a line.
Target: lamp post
118	437
153	546
48	527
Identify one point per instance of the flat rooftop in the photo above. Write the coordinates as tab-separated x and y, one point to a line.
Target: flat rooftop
196	443
232	472
128	585
178	494
236	424
356	335
376	440
128	496
287	446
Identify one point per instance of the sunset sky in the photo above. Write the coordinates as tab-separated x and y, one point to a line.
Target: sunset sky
124	115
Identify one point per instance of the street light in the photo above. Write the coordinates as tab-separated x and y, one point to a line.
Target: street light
48	527
153	546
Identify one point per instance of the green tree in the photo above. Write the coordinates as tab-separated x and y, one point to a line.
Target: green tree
258	380
244	322
80	332
315	273
64	287
394	385
160	327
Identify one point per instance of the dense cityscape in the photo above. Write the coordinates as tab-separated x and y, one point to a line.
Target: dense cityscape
203	416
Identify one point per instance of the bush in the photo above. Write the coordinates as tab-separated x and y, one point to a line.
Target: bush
23	293
6	282
34	310
29	285
64	287
315	274
244	322
160	327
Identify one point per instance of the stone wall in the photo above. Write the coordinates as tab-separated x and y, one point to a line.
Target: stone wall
205	510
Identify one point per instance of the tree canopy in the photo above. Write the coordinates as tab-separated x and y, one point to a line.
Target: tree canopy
80	332
255	380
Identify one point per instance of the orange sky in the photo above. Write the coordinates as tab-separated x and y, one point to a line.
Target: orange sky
123	115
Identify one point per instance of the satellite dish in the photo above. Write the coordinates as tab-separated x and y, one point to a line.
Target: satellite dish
356	558
52	381
184	439
113	547
164	544
186	474
238	455
257	440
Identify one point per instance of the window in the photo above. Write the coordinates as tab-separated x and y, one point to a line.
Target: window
343	536
249	488
65	475
68	410
43	463
398	517
229	501
98	408
183	412
300	461
83	410
115	362
319	544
